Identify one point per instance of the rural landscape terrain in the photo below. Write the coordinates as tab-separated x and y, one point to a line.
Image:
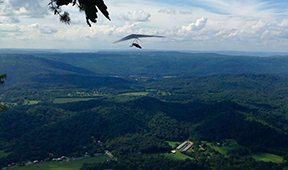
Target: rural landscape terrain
143	110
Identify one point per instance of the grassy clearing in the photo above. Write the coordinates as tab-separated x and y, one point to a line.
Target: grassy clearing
177	156
173	144
134	94
70	100
31	102
129	96
267	157
71	165
222	150
225	149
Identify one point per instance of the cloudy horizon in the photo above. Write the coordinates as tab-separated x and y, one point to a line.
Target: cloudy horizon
200	25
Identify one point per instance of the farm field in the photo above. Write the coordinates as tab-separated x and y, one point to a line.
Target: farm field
31	102
177	156
70	100
71	165
224	150
136	94
266	157
173	144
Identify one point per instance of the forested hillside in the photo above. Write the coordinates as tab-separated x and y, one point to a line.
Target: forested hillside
136	109
172	63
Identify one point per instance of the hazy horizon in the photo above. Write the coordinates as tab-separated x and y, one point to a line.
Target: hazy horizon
227	52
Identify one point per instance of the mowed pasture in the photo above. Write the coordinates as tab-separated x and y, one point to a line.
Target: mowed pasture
31	102
135	94
177	156
173	144
71	100
63	165
224	150
267	157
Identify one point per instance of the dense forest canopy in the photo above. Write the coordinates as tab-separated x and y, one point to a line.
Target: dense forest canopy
80	104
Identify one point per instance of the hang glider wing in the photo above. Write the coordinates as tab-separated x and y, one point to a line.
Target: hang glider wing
138	36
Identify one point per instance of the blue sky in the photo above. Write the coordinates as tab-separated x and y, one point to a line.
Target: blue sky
202	25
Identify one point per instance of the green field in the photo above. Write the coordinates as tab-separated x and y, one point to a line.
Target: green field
173	144
177	156
71	165
224	150
31	102
70	100
128	96
134	94
267	157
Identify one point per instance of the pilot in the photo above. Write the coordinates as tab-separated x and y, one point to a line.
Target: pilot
134	44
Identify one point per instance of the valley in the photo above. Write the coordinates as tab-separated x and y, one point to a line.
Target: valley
140	107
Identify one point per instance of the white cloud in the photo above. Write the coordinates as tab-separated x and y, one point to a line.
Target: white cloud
30	8
125	29
196	26
137	16
256	25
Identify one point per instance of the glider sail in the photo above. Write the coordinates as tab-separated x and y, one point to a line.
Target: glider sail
138	36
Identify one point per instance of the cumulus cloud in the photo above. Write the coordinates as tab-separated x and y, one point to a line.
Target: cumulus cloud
137	16
15	9
253	26
31	8
125	29
196	26
253	32
228	34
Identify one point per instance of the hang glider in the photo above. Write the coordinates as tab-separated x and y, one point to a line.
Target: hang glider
136	37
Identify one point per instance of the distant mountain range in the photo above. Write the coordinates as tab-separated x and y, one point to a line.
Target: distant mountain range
34	66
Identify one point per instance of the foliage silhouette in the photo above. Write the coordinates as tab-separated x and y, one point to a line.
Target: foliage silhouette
90	7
